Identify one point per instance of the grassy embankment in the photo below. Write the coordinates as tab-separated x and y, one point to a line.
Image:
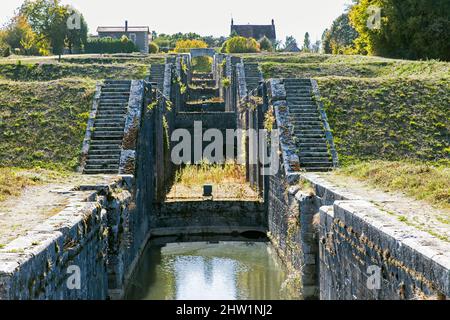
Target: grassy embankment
44	107
390	118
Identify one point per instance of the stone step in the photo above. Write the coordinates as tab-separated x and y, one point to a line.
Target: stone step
102	167
107	123
111	112
100	171
304	118
297	82
303	108
118	121
313	154
306	127
307	134
114	95
302	122
116	88
122	108
98	151
117	82
110	129
107	134
311	140
315	164
106	147
104	158
113	101
110	117
315	160
316	146
318	169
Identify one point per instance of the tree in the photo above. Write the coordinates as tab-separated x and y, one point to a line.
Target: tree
49	21
77	35
265	44
241	45
19	35
307	43
290	42
316	46
183	46
340	37
412	29
153	48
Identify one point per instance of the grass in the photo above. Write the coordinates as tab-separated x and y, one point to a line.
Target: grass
378	109
194	175
42	124
422	181
388	119
14	180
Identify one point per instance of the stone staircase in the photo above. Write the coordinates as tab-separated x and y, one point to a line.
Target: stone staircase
308	126
157	75
106	142
252	75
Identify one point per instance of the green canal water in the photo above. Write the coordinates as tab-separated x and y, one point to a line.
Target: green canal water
211	271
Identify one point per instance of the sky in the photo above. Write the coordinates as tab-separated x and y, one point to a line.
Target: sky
205	17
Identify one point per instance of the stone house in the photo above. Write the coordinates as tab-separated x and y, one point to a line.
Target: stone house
255	31
139	35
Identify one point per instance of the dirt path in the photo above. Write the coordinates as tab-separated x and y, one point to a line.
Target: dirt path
418	214
18	215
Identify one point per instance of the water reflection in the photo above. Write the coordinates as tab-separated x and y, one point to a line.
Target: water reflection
209	271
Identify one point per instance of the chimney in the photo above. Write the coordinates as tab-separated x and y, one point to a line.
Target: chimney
232	22
273	22
126	25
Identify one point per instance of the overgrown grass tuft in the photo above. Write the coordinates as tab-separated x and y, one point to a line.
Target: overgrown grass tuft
422	181
14	180
194	175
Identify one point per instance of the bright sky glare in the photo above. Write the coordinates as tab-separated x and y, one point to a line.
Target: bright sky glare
205	17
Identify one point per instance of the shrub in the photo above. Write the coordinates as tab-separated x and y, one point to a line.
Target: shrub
202	64
183	46
241	45
153	48
110	45
265	44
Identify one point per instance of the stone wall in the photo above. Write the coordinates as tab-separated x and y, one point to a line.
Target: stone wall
367	254
209	217
132	125
99	235
355	236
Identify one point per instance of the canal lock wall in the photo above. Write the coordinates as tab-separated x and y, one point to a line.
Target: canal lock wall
341	246
87	251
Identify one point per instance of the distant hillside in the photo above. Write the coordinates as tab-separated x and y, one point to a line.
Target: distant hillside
378	108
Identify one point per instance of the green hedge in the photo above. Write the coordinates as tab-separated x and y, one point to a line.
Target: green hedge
110	45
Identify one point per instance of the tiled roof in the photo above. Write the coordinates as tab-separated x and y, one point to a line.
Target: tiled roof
122	29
